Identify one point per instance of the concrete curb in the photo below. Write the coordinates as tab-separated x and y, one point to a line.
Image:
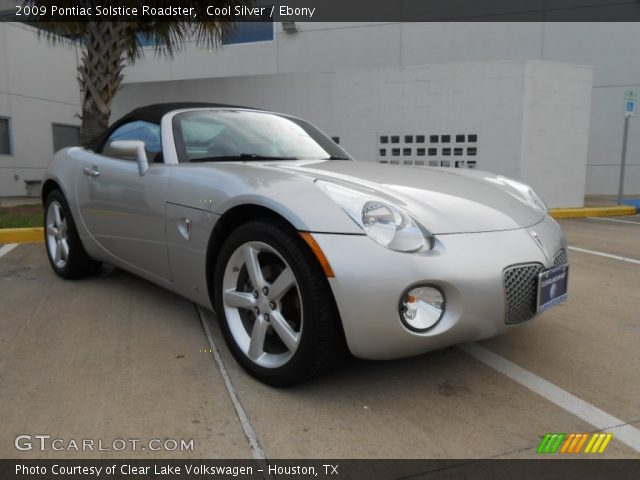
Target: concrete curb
22	235
592	211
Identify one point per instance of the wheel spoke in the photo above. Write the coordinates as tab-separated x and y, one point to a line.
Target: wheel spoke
258	334
58	253
282	284
65	249
52	230
236	299
288	336
250	255
56	215
63	227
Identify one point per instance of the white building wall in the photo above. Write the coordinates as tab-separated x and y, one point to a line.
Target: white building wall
611	48
38	83
531	118
556	116
38	87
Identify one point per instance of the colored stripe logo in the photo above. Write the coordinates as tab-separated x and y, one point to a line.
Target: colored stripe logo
557	442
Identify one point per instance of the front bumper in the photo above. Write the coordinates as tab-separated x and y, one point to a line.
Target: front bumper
468	268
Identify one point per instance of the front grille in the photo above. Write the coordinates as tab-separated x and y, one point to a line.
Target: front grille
561	258
521	289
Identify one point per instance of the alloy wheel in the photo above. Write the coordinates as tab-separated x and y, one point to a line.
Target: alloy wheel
57	239
262	304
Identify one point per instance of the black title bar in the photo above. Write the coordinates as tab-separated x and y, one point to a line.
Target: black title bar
325	10
536	469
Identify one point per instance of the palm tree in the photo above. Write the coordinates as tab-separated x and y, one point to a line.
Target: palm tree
107	46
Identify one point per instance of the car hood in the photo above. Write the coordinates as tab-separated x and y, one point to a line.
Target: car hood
445	201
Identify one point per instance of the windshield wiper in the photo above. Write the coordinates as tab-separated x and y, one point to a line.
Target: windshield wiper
241	156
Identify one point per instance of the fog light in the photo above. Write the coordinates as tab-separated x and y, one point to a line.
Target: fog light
421	308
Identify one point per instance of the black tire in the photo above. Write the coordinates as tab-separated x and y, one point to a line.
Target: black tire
78	263
322	344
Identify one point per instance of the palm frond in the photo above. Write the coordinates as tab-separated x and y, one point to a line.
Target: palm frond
170	33
108	45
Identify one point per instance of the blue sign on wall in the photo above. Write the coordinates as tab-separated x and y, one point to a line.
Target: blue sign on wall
630	99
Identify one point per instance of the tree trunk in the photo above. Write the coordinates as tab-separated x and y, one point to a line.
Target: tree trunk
100	74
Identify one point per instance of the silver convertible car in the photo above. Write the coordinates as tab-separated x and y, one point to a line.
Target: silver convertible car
303	253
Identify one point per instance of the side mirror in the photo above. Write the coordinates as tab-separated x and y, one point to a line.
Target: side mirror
132	148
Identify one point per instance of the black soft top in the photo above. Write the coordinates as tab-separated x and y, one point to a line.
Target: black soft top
153	114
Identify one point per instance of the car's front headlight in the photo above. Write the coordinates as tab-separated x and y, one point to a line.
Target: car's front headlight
381	220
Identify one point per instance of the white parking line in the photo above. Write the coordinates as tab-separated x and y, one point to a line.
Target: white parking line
626	434
7	248
607	255
256	448
614	220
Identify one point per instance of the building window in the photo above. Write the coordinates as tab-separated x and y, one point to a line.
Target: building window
433	152
473	138
408	139
249	32
384	139
395	139
5	137
383	152
65	136
406	152
459	138
434	138
395	152
419	138
420	152
146	39
445	138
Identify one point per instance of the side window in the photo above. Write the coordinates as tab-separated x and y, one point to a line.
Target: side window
147	132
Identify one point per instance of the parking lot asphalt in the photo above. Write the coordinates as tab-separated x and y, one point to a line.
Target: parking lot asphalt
105	358
117	357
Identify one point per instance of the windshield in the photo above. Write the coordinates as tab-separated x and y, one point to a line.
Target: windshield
223	135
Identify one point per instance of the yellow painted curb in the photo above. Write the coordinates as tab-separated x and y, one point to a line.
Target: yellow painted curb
22	235
592	211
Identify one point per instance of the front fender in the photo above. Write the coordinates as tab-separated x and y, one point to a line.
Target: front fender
219	188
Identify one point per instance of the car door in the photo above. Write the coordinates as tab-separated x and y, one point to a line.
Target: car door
122	210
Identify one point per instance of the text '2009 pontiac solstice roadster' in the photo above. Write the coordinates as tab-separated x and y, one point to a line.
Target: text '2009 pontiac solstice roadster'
303	253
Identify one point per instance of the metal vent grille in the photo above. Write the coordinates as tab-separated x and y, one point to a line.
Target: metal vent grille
520	285
561	258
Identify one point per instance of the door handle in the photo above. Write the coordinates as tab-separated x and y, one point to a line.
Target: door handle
91	171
